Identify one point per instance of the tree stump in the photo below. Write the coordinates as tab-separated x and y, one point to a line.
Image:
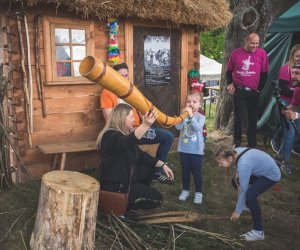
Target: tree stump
67	212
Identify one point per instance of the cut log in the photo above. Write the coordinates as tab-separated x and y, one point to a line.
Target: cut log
67	212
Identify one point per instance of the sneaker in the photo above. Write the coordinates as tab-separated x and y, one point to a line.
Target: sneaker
184	195
275	145
163	179
286	167
237	143
198	198
278	159
253	235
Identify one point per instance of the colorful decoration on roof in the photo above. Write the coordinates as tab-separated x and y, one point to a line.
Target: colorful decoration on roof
113	46
195	81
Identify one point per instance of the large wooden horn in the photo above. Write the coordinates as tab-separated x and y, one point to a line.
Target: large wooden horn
97	71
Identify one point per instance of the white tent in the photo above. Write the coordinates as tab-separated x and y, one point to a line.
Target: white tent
209	68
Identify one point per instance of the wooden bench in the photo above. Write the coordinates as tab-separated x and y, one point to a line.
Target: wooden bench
82	146
64	148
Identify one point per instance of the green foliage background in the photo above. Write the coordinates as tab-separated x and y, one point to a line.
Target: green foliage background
212	44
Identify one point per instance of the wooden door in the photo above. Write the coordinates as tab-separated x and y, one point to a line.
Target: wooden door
157	66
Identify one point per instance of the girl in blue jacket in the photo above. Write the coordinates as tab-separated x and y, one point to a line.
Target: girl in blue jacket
264	173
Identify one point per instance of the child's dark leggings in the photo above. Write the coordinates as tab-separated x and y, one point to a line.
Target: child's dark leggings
258	186
191	163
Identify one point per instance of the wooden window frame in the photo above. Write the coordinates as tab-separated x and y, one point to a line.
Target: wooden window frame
49	24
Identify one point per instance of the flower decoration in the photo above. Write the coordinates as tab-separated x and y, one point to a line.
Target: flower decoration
195	81
197	84
113	46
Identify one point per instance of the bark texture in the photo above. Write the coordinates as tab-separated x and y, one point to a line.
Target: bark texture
67	212
249	16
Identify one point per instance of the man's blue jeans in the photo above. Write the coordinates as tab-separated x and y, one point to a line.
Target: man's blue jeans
165	139
289	137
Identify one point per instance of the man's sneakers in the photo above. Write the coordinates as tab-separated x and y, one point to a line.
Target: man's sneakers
160	177
253	235
184	195
286	167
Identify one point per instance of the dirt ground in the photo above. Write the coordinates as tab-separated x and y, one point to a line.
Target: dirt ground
280	209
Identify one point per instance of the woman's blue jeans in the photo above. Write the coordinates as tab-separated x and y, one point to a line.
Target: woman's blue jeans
259	186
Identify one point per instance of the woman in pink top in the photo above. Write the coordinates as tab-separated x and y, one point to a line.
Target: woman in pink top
285	81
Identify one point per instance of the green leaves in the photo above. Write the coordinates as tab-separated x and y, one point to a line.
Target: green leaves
212	44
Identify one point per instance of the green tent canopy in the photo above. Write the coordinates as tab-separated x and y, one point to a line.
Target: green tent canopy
279	40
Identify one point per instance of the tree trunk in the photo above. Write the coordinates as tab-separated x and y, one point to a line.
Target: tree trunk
249	16
67	212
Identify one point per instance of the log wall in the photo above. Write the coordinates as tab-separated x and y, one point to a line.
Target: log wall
72	111
9	119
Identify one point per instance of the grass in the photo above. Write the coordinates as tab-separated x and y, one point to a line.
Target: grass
210	118
281	210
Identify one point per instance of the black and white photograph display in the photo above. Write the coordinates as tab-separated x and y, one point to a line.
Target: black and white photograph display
157	60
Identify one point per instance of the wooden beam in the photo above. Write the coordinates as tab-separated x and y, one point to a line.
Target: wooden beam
129	47
47	47
184	69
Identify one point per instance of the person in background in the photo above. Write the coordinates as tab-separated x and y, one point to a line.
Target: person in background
119	152
286	85
292	115
247	71
258	166
163	137
191	147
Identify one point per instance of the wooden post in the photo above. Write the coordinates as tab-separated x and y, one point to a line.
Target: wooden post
67	212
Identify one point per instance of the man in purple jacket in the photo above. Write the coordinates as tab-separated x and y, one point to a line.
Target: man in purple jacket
247	71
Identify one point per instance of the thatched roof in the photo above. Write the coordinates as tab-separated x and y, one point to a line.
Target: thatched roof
204	14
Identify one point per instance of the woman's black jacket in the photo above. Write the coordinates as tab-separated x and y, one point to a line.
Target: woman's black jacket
119	153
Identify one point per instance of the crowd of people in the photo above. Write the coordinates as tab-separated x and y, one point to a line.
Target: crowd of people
125	168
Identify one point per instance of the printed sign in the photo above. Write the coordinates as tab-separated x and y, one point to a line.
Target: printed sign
157	62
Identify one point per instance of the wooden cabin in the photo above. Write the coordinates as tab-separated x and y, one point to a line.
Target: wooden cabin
44	98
